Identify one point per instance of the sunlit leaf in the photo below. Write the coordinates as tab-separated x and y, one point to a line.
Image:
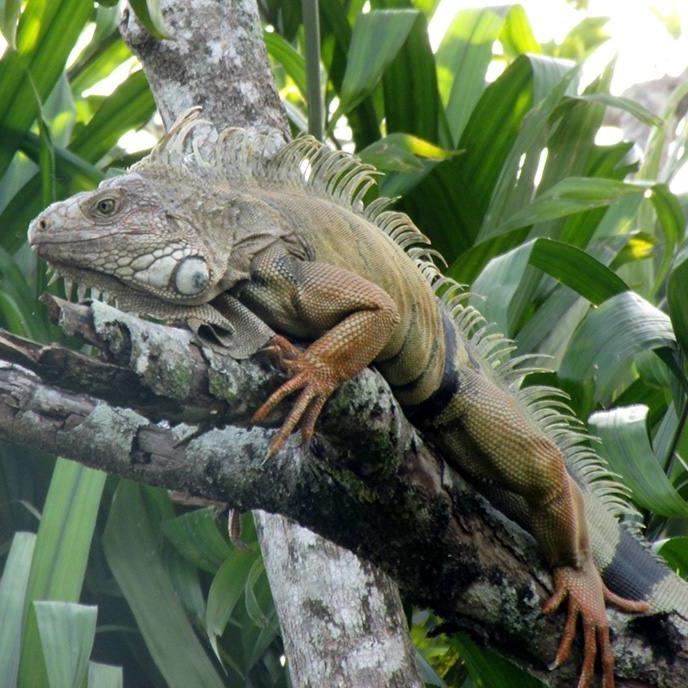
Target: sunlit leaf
675	551
9	14
462	61
283	53
403	153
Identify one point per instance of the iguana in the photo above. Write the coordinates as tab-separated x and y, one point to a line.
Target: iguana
238	236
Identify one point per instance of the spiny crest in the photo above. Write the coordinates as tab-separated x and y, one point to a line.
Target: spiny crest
546	406
249	157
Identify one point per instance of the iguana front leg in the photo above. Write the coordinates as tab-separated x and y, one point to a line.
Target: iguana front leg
351	318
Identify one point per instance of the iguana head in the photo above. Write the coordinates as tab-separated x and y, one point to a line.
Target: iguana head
135	237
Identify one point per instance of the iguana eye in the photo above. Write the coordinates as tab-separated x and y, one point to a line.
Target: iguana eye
192	276
105	206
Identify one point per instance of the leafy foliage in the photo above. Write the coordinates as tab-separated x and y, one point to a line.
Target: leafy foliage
566	250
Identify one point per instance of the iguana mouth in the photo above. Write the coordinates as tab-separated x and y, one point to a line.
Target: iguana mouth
85	282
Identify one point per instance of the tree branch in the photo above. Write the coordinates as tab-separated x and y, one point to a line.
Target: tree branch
445	546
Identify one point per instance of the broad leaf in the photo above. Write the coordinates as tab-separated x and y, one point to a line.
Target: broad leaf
626	447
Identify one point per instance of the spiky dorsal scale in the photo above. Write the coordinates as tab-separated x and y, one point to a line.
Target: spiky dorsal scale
247	157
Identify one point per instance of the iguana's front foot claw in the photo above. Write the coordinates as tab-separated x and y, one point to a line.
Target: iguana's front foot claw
280	350
317	381
587	596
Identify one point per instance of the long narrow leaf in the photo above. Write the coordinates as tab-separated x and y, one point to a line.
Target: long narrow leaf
67	631
15	577
61	553
132	550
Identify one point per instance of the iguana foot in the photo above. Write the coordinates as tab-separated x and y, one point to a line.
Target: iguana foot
317	380
587	596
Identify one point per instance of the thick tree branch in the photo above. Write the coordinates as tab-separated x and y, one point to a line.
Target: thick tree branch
441	541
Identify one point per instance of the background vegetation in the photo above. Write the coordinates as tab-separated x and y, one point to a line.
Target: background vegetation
575	249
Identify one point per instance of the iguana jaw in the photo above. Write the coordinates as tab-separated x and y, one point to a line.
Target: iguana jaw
102	287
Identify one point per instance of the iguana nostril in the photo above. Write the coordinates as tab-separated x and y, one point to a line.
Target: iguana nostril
42	224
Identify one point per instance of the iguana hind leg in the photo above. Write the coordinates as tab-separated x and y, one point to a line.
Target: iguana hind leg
351	318
511	451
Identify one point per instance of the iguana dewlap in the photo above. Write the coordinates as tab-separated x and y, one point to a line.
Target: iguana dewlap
248	237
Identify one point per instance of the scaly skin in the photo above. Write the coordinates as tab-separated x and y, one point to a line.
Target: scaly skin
303	258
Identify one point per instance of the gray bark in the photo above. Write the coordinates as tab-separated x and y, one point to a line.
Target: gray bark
367	483
218	60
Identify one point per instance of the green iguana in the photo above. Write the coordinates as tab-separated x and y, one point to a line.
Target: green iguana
241	236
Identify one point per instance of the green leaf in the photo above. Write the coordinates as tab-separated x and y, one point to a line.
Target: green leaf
609	338
502	283
149	14
449	203
129	106
46	34
677	288
578	194
462	60
403	153
412	102
516	183
283	53
15	577
225	591
254	580
132	549
487	668
675	552
517	35
626	447
61	553
376	39
196	537
102	61
9	14
67	631
104	676
632	107
335	34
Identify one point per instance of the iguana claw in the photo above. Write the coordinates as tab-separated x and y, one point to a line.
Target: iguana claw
316	380
587	597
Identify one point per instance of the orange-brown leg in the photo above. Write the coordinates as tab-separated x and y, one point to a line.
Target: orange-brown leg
352	317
